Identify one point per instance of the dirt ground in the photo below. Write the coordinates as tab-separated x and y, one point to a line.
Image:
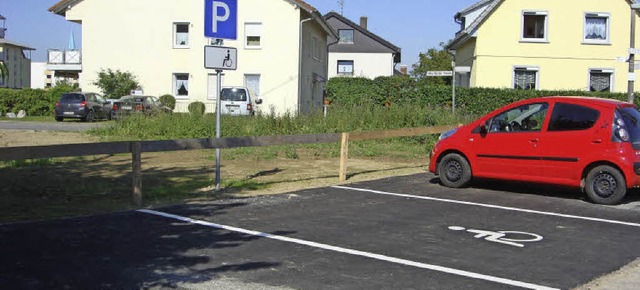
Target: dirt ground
96	184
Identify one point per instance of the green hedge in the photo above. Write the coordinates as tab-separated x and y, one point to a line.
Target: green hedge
405	90
35	102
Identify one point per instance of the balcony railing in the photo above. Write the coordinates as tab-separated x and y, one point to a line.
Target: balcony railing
56	56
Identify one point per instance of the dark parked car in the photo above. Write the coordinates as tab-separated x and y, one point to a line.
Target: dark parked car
84	106
587	143
141	104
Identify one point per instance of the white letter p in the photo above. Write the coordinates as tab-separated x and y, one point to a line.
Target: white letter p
219	18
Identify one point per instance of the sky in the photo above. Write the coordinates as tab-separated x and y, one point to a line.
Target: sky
413	25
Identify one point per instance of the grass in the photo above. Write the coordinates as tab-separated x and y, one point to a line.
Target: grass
48	119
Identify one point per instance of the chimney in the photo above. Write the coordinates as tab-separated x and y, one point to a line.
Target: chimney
404	69
363	22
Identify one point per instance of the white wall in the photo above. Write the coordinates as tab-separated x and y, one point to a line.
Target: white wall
38	76
369	65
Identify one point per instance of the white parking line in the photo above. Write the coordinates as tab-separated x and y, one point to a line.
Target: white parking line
352	252
490	206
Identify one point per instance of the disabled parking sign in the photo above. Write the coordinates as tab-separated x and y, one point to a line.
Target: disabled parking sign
221	19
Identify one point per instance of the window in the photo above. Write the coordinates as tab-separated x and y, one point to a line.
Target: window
570	117
252	82
253	35
180	35
534	26
596	28
600	80
345	67
525	118
525	78
315	49
346	35
181	85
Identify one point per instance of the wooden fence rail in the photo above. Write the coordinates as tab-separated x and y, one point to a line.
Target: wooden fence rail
136	148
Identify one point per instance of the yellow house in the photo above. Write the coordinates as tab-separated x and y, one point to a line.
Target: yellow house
544	44
281	44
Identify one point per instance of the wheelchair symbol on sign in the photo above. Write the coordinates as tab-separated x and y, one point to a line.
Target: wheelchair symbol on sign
503	237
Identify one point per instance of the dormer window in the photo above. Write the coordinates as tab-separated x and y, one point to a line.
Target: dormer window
346	36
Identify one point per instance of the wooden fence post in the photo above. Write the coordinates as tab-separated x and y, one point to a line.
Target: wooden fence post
344	155
136	156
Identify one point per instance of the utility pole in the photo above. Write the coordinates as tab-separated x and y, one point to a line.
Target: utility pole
632	53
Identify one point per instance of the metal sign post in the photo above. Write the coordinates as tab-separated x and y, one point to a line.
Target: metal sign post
221	22
219	58
218	105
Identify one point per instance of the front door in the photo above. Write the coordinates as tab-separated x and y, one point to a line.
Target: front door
509	149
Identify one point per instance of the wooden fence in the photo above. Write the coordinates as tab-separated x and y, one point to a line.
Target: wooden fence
137	147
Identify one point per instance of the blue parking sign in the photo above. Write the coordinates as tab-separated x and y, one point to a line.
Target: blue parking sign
221	19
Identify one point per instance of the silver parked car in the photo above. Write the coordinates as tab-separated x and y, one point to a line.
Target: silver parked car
237	101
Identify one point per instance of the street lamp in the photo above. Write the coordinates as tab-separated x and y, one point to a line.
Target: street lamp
632	52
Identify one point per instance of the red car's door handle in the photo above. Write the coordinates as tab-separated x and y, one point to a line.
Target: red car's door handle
534	140
597	141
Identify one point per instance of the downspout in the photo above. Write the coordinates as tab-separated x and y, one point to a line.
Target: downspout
300	65
327	62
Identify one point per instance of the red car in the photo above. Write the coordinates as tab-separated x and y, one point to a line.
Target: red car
590	143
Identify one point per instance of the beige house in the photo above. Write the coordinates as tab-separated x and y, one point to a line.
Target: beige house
16	58
544	44
282	49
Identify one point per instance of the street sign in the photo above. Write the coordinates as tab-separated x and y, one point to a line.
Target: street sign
439	73
220	57
221	19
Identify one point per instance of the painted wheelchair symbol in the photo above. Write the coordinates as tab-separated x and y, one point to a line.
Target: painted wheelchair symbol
511	238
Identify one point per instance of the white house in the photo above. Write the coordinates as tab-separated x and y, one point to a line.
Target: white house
358	51
282	49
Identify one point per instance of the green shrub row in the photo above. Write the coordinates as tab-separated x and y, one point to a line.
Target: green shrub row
35	102
405	90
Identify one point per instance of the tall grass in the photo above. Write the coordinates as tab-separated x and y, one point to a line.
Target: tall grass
338	119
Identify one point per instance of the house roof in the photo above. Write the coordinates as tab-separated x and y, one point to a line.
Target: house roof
465	34
61	7
366	32
5	41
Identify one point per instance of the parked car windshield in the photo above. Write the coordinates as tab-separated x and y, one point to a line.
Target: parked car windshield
234	95
631	117
72	98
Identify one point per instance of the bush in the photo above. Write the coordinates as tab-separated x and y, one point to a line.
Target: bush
196	108
115	84
406	91
35	102
168	100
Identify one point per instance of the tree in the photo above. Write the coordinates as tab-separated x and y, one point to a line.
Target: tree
433	60
115	84
4	72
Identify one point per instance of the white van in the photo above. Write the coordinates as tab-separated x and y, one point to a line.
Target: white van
237	101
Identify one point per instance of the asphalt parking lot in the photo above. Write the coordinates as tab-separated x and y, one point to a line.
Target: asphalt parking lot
397	233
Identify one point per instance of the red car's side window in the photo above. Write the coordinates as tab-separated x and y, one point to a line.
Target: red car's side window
524	118
571	117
